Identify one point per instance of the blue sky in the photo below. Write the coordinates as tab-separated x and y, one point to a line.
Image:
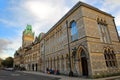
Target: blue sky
41	14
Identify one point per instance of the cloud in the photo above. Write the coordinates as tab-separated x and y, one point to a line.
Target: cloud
75	1
42	15
8	47
46	13
7	22
3	47
40	9
4	55
117	18
111	6
3	44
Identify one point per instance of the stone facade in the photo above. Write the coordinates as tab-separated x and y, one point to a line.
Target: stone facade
84	41
28	56
90	57
18	58
32	56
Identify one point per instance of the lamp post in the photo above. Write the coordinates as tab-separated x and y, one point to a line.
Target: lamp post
70	72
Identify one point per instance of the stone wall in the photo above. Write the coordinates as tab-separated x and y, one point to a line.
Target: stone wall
96	47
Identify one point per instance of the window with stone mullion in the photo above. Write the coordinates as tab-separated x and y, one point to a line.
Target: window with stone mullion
104	34
110	59
100	31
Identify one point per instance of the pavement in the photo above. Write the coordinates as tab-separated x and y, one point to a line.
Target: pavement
16	75
62	77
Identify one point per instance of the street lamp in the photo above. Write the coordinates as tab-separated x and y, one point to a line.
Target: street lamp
71	72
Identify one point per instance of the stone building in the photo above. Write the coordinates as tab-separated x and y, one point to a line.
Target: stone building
27	39
85	41
28	56
18	58
31	56
92	42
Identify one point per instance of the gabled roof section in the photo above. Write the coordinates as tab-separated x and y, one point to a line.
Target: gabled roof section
16	54
36	40
40	36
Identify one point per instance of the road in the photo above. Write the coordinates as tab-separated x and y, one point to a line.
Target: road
10	75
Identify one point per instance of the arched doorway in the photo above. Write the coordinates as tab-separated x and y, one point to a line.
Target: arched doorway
84	63
33	67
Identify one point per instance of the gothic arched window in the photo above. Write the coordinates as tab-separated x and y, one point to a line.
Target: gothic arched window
74	31
110	58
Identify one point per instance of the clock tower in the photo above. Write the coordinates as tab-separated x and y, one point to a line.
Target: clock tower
28	36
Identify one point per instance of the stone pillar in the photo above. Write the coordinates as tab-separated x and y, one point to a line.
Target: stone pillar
64	65
77	68
60	64
55	63
52	63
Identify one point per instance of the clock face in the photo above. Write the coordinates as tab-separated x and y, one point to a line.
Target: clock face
28	33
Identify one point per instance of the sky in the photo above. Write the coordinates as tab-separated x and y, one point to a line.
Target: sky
42	15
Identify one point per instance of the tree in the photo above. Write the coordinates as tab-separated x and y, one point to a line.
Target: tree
8	62
0	62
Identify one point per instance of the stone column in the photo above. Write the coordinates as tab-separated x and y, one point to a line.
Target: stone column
60	64
64	64
55	63
76	67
